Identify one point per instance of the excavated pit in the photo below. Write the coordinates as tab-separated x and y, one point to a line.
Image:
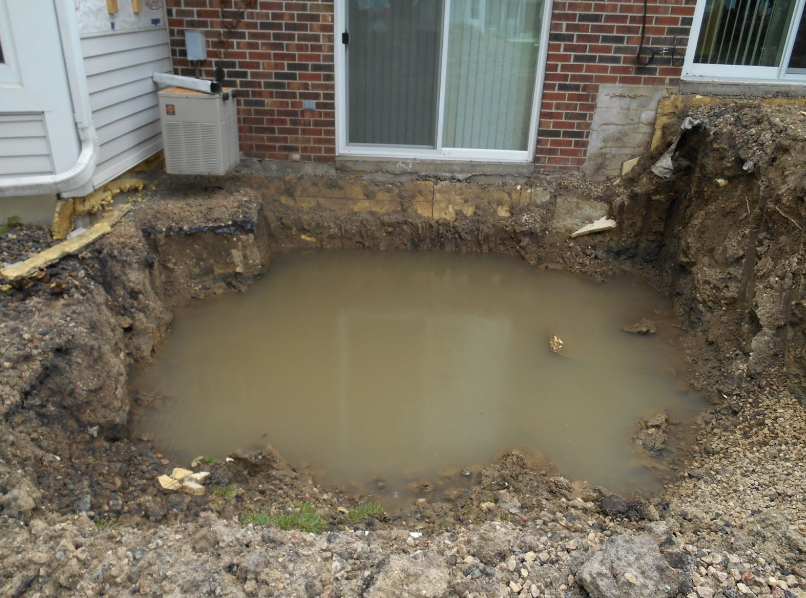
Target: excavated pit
384	372
722	239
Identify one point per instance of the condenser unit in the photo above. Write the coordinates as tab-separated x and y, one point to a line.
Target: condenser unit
199	131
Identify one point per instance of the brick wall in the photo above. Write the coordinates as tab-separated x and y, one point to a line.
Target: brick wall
592	44
280	54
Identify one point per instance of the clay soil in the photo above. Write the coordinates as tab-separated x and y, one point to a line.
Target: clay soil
82	513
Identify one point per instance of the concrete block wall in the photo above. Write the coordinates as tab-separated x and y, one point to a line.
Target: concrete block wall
622	127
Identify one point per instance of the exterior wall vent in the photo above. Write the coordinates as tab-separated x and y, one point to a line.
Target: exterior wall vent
200	131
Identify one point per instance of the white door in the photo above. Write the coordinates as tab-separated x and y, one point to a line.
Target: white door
37	125
440	79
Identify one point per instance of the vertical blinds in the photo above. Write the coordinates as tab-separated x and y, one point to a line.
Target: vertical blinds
744	32
393	71
493	50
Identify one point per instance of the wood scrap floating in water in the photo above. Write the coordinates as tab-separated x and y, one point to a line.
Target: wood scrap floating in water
65	248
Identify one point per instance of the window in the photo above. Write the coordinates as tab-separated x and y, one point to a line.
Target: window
748	39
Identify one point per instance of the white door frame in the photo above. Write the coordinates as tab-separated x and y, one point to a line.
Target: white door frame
438	153
692	70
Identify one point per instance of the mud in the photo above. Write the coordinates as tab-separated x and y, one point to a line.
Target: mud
730	257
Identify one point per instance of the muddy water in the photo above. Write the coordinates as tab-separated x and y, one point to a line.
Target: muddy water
398	366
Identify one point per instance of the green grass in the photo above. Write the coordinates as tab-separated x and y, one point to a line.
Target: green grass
369	509
256	518
11	222
229	491
304	518
105	524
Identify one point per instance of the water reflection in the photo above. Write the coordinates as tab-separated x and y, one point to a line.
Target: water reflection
397	366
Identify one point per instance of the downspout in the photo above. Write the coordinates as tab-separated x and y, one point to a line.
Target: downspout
81	173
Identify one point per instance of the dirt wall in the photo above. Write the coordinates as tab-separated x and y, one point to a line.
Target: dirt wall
726	232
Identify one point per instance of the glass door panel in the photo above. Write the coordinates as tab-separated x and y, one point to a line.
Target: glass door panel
797	61
393	61
493	52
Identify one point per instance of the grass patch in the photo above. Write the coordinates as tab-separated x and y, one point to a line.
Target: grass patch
10	222
229	491
304	518
103	525
368	509
256	518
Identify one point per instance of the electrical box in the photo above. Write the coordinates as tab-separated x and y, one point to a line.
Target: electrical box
196	45
199	131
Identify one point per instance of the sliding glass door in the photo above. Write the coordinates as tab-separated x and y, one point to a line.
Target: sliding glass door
441	78
393	65
750	39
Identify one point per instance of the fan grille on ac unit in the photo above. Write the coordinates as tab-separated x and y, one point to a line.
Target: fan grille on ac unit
200	134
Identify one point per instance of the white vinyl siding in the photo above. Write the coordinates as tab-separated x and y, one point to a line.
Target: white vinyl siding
124	102
24	147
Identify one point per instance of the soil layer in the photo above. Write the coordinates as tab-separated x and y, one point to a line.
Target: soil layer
82	513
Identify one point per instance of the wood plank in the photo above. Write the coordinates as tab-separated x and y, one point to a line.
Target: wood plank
122	42
69	247
122	76
120	60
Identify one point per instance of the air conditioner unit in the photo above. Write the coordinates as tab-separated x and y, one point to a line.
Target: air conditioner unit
199	131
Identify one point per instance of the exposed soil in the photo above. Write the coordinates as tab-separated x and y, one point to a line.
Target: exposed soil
82	513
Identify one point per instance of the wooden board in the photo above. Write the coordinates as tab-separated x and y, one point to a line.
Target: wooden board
69	247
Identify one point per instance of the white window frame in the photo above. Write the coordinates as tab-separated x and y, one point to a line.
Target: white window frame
716	72
439	152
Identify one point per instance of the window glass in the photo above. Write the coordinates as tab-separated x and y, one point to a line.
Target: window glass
744	32
797	62
490	78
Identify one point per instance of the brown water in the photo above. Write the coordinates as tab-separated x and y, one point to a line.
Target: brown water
369	365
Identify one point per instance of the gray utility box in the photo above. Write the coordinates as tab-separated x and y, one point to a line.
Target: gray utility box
199	130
